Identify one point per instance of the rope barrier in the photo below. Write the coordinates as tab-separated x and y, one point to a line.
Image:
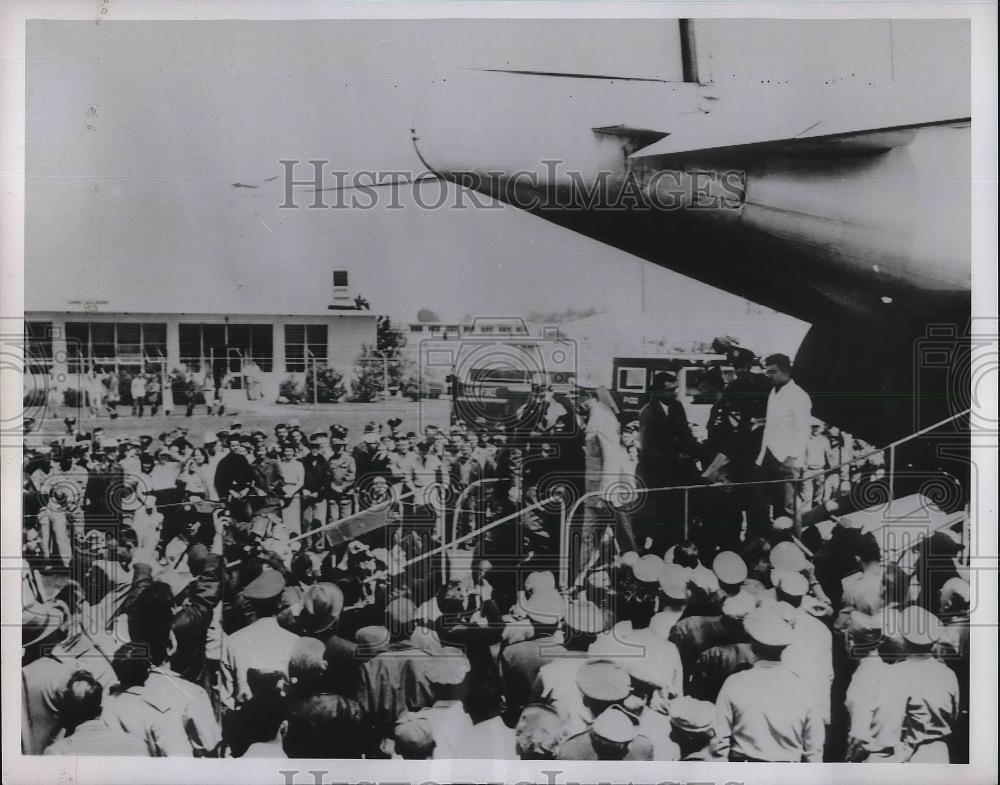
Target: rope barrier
478	532
376	508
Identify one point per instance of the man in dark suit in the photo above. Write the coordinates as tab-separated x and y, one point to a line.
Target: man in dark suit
234	478
667	451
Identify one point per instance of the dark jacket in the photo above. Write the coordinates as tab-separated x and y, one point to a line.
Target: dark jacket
665	438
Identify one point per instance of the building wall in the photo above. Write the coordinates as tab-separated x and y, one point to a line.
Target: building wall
346	333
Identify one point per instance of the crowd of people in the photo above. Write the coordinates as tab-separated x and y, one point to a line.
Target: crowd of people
106	392
269	594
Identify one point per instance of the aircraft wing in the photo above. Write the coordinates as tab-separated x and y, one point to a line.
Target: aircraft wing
877	118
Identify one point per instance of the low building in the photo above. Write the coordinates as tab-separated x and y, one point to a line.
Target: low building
273	337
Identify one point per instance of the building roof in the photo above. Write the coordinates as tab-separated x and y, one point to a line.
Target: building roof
253	287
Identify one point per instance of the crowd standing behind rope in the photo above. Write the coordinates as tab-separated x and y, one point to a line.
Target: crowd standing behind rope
271	594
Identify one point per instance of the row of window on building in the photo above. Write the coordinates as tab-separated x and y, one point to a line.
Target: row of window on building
124	345
448	330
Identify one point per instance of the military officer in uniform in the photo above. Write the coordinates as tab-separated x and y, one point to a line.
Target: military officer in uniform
341	473
766	714
263	645
693	728
932	691
613	736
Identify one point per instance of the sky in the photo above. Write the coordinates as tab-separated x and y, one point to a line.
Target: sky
137	132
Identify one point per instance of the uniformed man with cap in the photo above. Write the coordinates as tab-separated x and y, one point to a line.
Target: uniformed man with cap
766	714
676	593
810	654
341	474
743	406
693	728
613	736
521	662
446	677
875	702
932	704
788	556
314	501
557	680
263	645
730	570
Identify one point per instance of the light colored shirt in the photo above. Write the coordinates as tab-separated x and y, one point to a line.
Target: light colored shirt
138	387
163	477
62	490
449	723
766	713
603	450
172	715
194	482
816	451
266	749
263	645
97	737
556	682
207	472
932	700
644	654
656	727
489	740
876	702
810	657
293	475
788	423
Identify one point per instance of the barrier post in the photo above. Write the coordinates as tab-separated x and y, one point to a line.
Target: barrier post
564	538
461	498
892	473
465	537
442	538
686	501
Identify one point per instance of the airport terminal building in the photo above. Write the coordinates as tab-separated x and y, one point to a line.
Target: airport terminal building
67	338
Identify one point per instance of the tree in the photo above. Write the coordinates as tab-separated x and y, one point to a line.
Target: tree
380	364
425	315
568	315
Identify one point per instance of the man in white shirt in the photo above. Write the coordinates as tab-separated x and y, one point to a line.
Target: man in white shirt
138	389
787	429
817	454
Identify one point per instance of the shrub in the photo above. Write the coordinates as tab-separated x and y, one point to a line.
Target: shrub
290	390
329	385
72	398
35	399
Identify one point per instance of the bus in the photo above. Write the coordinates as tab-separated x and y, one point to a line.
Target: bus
632	376
493	367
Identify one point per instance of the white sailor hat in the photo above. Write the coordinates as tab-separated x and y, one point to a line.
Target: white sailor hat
766	627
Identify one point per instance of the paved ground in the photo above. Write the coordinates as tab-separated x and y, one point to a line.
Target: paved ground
257	414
